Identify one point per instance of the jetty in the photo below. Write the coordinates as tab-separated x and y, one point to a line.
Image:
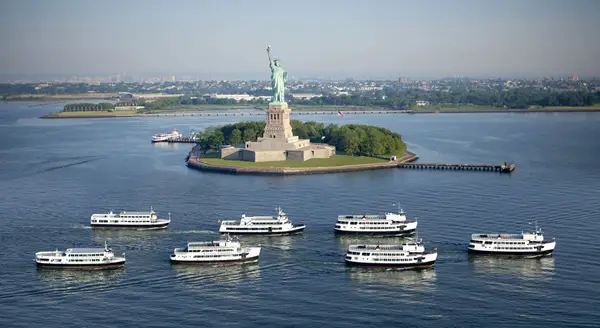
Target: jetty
262	113
502	168
183	140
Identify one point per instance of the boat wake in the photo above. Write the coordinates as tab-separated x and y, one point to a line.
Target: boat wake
92	159
202	232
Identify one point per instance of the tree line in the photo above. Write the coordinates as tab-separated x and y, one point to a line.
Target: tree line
405	99
88	107
513	98
351	139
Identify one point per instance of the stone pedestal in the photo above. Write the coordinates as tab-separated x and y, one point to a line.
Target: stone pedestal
278	133
278	123
278	142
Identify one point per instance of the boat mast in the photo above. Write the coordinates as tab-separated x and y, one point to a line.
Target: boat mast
400	211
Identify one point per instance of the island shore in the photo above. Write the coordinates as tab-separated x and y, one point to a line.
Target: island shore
199	163
232	110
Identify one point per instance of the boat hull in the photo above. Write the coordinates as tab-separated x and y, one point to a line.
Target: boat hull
294	230
94	266
378	233
405	266
129	226
542	253
252	259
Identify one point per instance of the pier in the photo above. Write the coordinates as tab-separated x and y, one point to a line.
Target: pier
502	168
184	140
262	113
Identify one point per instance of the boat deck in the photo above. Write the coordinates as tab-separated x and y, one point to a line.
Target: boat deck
494	236
398	247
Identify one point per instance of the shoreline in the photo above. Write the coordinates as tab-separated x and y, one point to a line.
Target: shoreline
233	110
226	112
194	162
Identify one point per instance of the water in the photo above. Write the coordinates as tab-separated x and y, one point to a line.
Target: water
55	173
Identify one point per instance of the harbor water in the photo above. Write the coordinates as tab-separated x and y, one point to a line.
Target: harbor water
55	173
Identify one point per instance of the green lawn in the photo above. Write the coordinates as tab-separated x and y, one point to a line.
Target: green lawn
335	160
205	107
309	108
92	114
592	107
479	108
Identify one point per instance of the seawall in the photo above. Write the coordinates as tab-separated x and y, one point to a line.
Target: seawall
197	163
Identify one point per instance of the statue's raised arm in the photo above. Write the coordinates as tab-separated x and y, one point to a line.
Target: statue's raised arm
269	53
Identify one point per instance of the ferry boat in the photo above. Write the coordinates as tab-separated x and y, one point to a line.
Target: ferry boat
129	220
161	137
408	255
225	250
261	225
387	224
80	258
528	244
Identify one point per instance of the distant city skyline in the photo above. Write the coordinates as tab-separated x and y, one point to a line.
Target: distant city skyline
333	39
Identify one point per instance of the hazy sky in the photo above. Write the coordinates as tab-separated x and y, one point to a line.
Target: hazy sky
326	38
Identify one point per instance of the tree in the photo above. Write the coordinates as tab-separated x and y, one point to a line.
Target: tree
249	134
216	139
236	137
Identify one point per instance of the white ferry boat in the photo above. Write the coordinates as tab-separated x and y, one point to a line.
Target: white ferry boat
528	244
261	225
161	137
129	220
409	255
80	258
226	250
387	224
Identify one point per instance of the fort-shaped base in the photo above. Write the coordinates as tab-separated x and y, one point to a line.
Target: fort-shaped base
278	142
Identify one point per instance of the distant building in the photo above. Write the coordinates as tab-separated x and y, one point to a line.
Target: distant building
404	80
236	97
422	103
125	96
574	78
306	95
128	108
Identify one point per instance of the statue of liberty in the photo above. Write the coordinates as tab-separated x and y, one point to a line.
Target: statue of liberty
278	79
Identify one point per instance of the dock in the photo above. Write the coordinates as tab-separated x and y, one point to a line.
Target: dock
262	113
502	168
184	140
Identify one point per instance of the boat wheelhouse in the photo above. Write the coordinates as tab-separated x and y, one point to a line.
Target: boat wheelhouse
528	244
129	220
80	258
261	225
408	255
162	137
387	224
225	250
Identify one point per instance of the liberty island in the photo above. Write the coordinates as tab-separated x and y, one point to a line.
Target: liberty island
278	142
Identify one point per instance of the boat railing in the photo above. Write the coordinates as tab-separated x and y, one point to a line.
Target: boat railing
487	236
47	254
360	217
384	247
230	222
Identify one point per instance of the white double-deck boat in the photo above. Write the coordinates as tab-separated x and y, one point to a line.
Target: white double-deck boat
227	250
387	224
409	255
161	137
129	220
527	244
80	258
261	225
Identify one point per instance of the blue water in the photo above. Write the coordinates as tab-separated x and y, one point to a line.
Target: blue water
55	173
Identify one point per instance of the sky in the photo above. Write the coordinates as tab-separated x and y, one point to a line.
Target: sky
375	39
